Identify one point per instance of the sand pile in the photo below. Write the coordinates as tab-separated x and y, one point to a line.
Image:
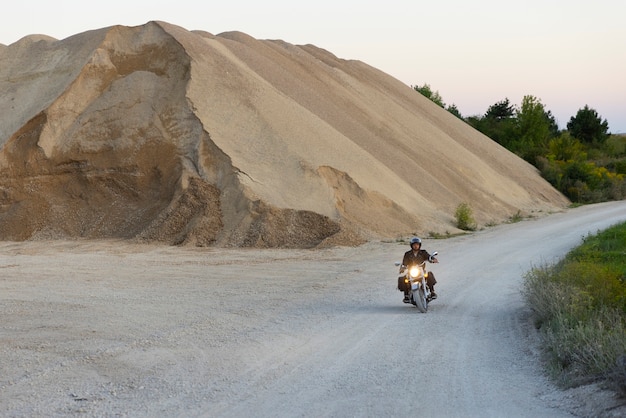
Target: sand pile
159	133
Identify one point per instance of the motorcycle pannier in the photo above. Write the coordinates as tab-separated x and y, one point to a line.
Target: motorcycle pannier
402	286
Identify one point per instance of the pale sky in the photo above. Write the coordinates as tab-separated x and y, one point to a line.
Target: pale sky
567	53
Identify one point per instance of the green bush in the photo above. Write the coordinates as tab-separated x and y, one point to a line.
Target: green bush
464	217
584	181
580	306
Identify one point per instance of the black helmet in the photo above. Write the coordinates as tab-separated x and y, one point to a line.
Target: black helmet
415	240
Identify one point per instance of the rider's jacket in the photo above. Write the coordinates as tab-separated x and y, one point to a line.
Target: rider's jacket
411	258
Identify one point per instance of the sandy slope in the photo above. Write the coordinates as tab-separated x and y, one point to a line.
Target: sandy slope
109	328
159	133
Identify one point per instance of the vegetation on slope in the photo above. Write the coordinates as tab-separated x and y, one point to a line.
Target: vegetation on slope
584	162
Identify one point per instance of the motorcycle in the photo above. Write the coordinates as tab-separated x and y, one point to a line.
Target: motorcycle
415	278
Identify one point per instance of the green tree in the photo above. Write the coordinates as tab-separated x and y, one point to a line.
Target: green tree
502	110
554	127
534	129
584	162
498	123
454	110
588	127
434	96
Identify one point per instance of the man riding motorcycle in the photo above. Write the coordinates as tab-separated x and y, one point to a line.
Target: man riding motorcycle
417	256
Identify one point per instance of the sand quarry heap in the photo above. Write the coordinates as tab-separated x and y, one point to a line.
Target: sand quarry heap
162	134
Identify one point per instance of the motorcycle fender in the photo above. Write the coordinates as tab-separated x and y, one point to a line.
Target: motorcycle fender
415	286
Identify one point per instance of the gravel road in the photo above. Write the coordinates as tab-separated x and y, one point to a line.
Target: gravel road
110	328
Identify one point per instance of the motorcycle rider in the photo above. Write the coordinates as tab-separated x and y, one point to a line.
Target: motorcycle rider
417	256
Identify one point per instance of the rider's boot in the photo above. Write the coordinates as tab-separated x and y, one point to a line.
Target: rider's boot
406	299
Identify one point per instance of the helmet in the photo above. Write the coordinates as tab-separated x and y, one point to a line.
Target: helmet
415	240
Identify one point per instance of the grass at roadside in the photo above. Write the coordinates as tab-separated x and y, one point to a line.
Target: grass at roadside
580	307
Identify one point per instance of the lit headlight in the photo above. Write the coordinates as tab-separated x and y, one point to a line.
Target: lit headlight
414	272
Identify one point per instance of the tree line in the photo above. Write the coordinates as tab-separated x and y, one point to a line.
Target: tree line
584	161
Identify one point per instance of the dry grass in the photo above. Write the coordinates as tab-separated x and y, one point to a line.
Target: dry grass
581	309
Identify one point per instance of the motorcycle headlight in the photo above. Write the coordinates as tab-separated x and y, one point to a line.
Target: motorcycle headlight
414	272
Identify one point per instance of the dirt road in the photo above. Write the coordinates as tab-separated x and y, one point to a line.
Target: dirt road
110	328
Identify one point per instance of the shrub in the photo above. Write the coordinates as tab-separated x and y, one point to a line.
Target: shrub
464	217
515	218
580	306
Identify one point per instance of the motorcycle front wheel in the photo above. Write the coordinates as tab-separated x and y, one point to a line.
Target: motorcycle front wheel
420	300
